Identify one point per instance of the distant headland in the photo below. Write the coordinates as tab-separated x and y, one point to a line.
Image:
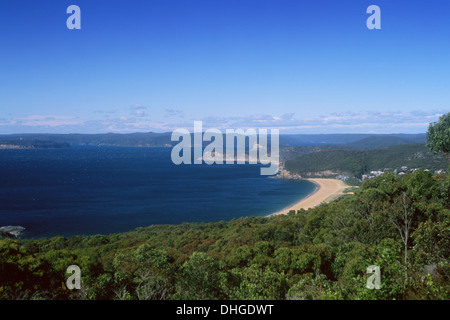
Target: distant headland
11	231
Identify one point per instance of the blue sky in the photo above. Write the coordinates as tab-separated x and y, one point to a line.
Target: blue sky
298	66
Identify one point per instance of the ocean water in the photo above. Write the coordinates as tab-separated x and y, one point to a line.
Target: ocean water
103	190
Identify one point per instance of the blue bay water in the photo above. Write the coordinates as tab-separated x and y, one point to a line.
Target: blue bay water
102	190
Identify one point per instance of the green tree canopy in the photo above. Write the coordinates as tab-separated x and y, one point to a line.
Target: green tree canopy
438	135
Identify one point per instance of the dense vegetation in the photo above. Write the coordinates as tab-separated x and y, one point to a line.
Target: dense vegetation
438	135
359	162
377	141
371	142
401	225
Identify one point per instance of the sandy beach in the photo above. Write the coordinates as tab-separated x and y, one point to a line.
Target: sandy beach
327	190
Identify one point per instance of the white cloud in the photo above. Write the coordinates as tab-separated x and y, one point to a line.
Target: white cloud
174	113
138	107
140	113
138	110
348	122
46	121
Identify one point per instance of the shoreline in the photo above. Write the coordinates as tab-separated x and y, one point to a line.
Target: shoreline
326	191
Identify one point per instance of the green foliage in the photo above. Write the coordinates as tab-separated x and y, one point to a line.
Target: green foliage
321	253
311	287
200	278
438	135
433	242
256	283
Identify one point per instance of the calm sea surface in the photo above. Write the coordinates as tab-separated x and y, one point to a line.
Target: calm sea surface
102	190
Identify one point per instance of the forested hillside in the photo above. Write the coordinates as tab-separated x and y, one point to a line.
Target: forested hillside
358	162
377	141
401	225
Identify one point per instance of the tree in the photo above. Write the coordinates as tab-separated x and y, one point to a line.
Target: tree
434	239
200	278
401	214
257	283
438	135
152	265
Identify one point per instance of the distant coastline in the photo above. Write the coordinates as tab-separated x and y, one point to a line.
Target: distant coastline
326	191
32	144
11	231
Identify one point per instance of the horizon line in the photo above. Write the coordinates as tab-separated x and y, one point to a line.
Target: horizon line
169	132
